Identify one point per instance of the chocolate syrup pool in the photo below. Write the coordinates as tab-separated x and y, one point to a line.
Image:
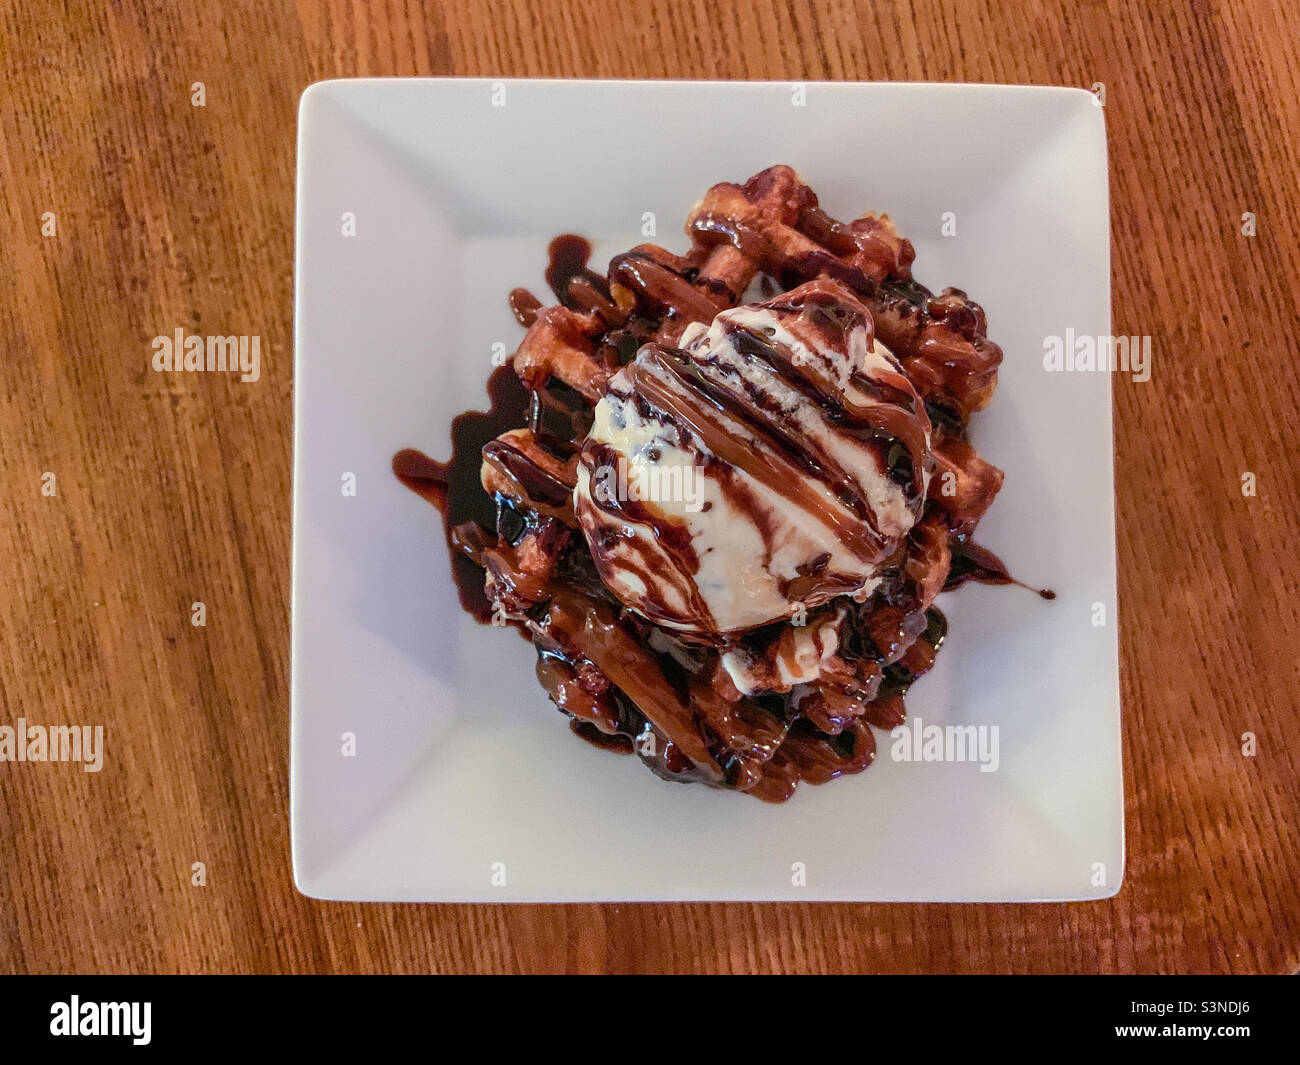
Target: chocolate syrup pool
454	487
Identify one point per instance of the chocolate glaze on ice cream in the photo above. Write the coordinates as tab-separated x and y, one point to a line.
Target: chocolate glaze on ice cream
808	442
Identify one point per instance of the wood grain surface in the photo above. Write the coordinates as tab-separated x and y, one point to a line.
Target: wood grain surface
176	488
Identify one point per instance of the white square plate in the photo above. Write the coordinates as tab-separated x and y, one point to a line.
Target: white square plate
461	763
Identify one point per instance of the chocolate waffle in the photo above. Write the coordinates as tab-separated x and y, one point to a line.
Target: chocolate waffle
821	395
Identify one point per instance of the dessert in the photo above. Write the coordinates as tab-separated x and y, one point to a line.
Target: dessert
721	491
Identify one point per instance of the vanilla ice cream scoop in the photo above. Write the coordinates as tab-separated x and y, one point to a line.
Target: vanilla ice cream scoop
770	464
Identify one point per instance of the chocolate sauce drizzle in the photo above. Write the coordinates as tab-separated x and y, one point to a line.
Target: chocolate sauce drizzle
453	486
626	684
748	434
970	562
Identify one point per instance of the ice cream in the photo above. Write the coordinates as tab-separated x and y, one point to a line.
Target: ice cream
772	462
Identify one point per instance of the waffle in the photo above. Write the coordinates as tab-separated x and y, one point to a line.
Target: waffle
757	711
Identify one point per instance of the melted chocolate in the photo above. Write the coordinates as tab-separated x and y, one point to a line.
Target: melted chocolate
786	465
727	398
454	487
970	562
569	255
897	419
632	687
534	485
524	305
664	290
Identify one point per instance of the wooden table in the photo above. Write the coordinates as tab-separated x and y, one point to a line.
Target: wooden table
173	489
